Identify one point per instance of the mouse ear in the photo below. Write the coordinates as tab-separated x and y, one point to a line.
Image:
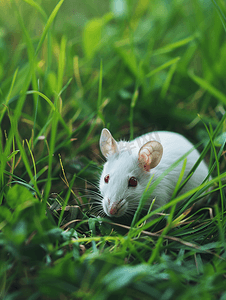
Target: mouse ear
108	144
150	155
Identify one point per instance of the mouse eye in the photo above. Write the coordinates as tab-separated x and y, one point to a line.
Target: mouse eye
106	178
132	182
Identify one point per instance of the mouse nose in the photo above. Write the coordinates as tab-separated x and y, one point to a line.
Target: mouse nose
114	209
117	208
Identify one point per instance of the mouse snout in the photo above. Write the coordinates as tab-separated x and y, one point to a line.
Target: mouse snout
116	209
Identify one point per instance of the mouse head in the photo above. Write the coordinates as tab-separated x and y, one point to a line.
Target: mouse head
125	175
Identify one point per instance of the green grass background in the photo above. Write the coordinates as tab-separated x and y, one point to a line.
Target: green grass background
68	69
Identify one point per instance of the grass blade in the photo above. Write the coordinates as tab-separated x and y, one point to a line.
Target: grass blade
148	191
66	200
61	64
206	149
221	14
132	105
8	96
44	97
207	86
171	47
205	185
164	66
218	169
47	26
169	77
99	100
37	7
51	153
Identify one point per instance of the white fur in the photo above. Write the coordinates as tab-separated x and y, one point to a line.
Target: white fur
122	163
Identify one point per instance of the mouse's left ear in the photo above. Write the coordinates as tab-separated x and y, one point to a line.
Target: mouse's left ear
108	144
150	155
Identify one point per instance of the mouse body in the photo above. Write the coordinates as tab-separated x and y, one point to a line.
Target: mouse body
130	165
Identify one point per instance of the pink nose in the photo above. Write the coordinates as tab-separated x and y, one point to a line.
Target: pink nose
114	209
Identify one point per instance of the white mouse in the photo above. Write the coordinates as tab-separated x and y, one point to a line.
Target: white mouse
130	165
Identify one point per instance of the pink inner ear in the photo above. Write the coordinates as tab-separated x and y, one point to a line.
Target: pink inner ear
146	167
144	161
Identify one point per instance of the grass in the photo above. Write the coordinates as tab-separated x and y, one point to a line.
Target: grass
67	71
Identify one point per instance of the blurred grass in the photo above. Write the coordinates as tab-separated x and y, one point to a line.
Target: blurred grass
67	69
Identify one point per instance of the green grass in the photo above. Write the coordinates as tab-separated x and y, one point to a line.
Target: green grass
67	70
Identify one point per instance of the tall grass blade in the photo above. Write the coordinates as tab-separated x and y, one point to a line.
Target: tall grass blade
52	107
132	106
204	186
207	147
9	95
180	178
99	100
47	26
218	170
220	223
167	82
164	66
14	122
44	97
149	189
37	7
31	55
141	203
221	14
66	200
61	64
207	86
24	157
171	47
51	154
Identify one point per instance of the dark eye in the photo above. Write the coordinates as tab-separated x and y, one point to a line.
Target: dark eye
132	182
106	178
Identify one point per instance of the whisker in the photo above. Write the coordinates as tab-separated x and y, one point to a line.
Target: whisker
89	182
98	212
